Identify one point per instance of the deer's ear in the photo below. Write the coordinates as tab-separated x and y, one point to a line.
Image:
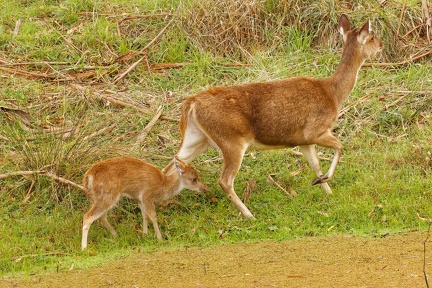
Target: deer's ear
364	32
344	26
179	165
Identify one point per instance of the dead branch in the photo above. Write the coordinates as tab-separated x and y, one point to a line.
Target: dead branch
4	138
395	102
428	21
349	106
27	73
19	173
400	18
124	104
62	180
398	63
118	78
290	194
17	27
49	174
148	127
251	184
100	132
133	17
30	190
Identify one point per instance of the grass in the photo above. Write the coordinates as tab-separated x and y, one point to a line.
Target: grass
383	181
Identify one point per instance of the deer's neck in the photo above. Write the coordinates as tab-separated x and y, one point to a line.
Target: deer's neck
343	80
172	184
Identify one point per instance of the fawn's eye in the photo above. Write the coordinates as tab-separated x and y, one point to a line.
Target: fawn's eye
194	180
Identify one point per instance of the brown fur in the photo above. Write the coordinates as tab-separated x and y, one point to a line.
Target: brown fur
108	180
298	111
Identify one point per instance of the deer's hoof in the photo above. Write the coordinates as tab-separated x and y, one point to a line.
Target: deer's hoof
320	179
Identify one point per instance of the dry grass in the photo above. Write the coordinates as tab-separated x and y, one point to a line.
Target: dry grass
229	27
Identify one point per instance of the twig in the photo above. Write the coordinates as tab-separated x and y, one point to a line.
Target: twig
132	17
49	174
27	197
100	132
19	173
4	138
119	102
349	106
251	183
63	180
17	27
148	127
398	63
27	74
400	18
428	22
413	29
395	102
122	103
118	78
272	181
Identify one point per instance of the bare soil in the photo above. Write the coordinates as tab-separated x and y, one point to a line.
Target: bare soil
393	261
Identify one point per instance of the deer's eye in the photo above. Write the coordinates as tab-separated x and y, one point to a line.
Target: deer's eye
194	180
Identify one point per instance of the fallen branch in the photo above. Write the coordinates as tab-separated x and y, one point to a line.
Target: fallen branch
148	127
132	17
349	106
395	102
428	21
100	132
290	194
251	184
400	18
119	102
49	174
30	190
4	138
63	180
27	73
398	63
19	173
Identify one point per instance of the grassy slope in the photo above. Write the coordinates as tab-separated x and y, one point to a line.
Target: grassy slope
381	184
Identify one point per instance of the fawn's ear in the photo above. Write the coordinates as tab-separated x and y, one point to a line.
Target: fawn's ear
364	33
179	165
344	26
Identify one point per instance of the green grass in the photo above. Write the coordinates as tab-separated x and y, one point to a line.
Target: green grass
382	182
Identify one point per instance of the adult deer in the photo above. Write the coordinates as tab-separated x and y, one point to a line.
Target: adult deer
293	112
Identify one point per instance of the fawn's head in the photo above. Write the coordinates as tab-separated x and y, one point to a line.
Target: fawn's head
189	177
361	39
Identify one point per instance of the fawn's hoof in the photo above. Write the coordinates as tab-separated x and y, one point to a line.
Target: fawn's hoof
320	179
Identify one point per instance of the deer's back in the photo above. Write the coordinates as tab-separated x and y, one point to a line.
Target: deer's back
277	113
121	175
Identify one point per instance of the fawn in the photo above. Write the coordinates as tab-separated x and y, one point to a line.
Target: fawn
299	111
108	180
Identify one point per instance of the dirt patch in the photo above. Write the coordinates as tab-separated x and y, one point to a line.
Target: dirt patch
394	261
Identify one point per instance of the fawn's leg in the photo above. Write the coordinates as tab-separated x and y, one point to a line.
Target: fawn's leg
150	209
144	217
90	216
